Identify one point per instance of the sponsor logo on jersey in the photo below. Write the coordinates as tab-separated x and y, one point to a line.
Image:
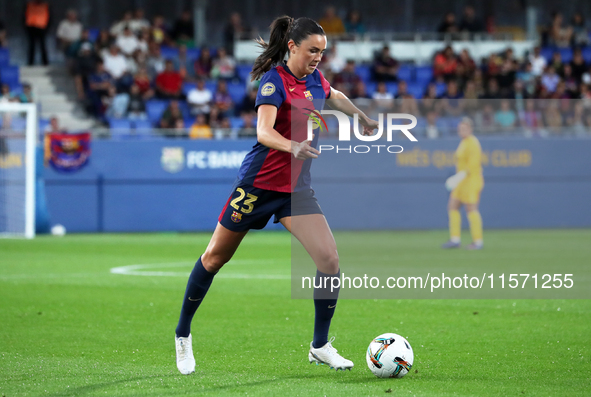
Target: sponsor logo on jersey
268	89
236	216
173	159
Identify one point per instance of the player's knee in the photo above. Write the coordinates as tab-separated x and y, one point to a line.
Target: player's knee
330	262
213	262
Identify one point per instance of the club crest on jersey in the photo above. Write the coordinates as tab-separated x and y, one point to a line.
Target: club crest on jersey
268	89
308	95
236	216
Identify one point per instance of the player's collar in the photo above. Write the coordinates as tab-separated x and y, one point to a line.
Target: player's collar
289	71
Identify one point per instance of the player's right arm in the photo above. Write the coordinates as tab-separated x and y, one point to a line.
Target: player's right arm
268	136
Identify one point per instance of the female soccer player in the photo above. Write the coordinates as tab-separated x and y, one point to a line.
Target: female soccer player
275	174
465	187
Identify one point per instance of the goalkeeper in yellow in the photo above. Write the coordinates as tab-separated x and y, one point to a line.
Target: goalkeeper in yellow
465	187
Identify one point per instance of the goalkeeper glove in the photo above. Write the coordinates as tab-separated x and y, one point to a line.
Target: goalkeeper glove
453	181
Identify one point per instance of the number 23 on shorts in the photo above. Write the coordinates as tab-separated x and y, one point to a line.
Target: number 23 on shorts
248	203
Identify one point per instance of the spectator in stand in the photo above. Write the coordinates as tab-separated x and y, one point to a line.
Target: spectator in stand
200	99
468	64
448	25
445	64
169	83
353	24
171	116
506	77
578	65
348	77
429	102
117	66
224	130
556	62
451	103
580	34
470	103
5	95
139	23
26	96
159	30
127	42
203	64
331	22
223	66
505	117
249	101
383	100
530	119
359	92
117	27
431	130
103	42
405	101
492	91
527	77
3	35
144	83
184	30
54	127
222	100
385	68
156	62
69	30
144	41
550	79
84	66
75	47
538	62
553	118
200	129
184	64
248	130
331	61
469	22
571	84
115	104
560	35
37	22
99	84
234	30
485	119
136	108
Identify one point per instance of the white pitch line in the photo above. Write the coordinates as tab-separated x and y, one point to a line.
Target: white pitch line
139	270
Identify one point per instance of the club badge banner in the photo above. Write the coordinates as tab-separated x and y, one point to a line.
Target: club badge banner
69	152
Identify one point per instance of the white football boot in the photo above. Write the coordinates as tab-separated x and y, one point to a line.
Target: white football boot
185	361
328	355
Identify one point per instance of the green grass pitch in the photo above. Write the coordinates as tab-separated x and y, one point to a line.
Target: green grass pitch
71	327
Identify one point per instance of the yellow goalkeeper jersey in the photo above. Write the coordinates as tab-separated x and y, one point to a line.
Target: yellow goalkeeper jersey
469	156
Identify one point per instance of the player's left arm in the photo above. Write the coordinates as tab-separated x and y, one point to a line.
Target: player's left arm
339	101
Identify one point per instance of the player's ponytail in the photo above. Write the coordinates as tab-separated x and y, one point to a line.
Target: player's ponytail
283	29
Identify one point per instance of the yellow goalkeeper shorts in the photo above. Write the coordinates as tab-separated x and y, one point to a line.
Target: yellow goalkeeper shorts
468	191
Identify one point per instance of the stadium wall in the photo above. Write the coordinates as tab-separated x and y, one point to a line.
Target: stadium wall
182	185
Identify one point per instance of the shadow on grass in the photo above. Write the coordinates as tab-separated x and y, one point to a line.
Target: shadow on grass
91	390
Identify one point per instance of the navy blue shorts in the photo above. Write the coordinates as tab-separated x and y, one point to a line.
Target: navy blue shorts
251	208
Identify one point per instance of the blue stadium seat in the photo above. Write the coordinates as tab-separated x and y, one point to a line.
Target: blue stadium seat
4	57
18	123
587	54
417	90
423	74
121	126
566	54
211	85
237	91
364	72
441	88
93	34
184	106
154	109
188	121
370	87
9	75
405	72
142	125
193	53
392	88
236	122
188	87
169	52
243	72
43	124
547	53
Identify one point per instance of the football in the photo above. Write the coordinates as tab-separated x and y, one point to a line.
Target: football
389	356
